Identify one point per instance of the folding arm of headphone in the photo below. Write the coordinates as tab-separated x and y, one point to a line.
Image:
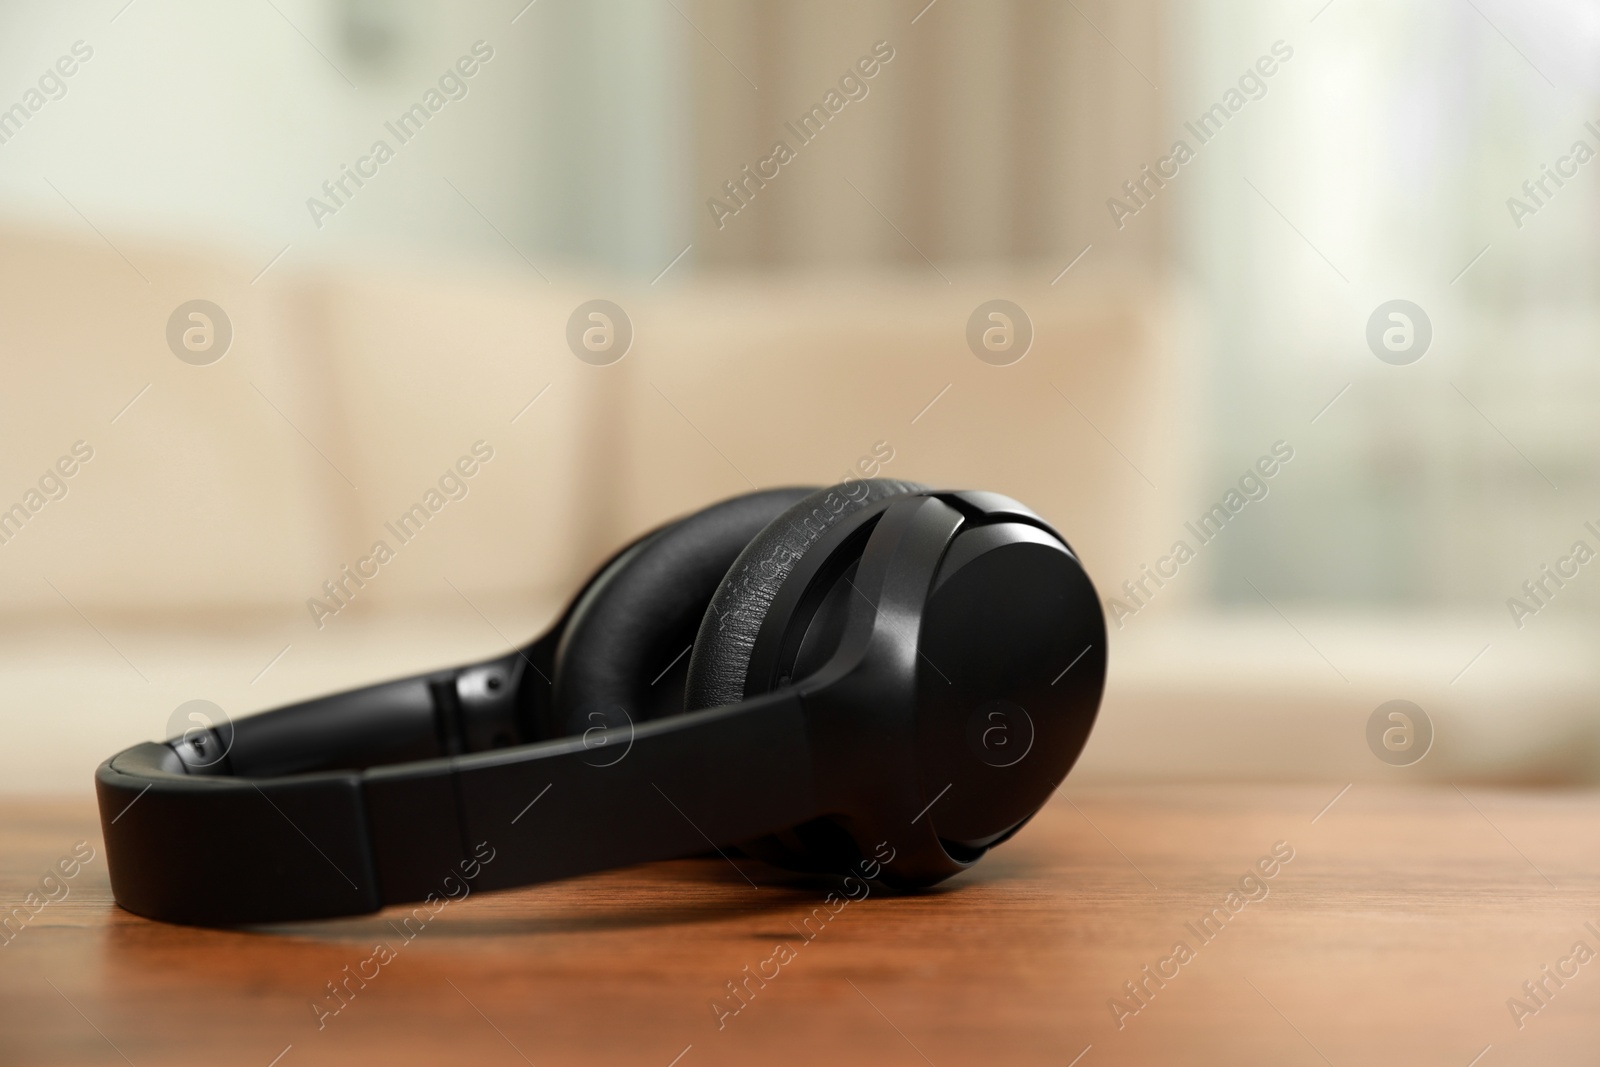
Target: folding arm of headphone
862	706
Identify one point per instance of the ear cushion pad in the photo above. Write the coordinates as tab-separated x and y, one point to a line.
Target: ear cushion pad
645	608
721	657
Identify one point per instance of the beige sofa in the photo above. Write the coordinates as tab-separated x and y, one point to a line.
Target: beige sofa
220	499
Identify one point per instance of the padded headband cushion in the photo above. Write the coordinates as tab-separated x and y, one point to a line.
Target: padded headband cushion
728	632
645	607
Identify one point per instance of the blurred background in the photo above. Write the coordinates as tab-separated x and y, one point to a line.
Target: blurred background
1199	214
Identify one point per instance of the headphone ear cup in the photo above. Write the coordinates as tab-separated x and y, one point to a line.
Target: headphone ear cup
721	660
720	663
623	645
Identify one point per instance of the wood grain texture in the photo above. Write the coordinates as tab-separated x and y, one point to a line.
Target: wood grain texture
1395	935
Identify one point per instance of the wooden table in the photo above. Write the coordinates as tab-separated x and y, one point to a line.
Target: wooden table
1396	934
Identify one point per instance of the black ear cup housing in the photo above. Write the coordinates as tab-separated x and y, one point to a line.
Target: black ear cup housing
951	642
966	681
1011	667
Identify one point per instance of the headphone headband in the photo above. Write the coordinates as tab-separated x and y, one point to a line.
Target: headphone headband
223	850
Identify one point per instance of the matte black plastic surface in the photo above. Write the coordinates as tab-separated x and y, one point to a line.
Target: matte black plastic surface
220	850
224	851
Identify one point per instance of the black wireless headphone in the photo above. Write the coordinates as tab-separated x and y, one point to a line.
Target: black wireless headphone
877	669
